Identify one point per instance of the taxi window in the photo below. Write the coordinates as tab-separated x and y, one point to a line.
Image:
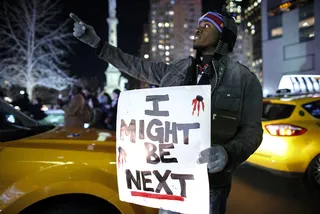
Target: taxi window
276	111
313	108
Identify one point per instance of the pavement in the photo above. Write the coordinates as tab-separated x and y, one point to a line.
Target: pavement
260	192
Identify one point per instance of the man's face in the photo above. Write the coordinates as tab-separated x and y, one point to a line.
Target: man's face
207	36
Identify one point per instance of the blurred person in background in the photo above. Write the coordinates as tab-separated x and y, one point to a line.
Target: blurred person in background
76	110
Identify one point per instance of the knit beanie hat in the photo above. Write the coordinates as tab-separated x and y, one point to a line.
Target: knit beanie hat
214	18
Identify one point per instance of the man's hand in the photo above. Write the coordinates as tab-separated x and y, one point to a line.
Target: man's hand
216	158
85	33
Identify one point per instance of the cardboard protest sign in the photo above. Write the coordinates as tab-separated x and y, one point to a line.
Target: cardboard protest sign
160	133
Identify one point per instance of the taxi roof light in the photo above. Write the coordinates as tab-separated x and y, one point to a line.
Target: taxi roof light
285	130
286	93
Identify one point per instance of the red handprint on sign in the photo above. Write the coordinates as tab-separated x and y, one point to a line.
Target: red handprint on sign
122	156
196	104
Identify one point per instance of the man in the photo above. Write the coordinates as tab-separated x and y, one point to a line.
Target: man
236	94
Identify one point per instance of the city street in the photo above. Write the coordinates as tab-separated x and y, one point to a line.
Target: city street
259	192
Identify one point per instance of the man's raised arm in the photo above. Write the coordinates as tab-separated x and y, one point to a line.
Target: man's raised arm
151	72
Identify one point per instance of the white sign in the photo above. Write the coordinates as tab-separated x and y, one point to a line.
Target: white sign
160	133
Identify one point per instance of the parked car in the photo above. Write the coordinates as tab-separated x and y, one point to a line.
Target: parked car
291	138
48	169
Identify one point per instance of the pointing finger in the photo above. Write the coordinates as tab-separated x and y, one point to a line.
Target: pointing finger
75	18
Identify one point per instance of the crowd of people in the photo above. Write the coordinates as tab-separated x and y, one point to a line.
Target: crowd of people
82	106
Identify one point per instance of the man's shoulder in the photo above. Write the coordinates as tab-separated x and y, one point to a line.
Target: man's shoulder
243	67
184	61
244	70
180	65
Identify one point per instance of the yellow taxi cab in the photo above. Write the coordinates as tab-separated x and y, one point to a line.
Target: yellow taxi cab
291	138
47	169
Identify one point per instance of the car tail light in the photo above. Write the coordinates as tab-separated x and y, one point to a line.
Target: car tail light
285	130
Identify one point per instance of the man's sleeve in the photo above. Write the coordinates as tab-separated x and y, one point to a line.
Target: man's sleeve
249	136
151	72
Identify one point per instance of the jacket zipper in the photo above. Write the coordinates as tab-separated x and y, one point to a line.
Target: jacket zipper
223	116
215	76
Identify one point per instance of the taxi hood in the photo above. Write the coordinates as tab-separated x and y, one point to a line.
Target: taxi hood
69	139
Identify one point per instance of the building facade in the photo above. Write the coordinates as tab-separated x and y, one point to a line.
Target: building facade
145	49
252	26
290	40
243	49
172	27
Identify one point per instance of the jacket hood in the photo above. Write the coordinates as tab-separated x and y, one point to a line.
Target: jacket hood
228	35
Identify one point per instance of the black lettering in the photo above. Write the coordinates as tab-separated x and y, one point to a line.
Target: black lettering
182	179
162	181
145	180
159	131
141	130
172	131
151	153
156	99
128	130
186	127
166	153
129	177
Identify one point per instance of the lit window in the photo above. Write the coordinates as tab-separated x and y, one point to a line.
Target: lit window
154	31
167	59
277	32
146	39
167	47
146	56
192	37
167	53
185	25
307	22
154	48
172	47
160	24
166	24
160	46
171	13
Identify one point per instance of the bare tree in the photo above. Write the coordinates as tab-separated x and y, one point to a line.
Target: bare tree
33	45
